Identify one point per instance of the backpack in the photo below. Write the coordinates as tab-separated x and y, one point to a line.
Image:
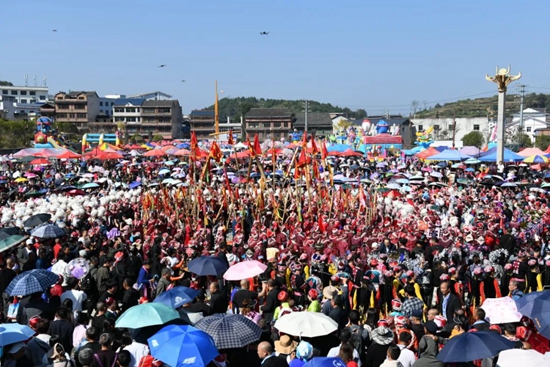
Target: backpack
359	344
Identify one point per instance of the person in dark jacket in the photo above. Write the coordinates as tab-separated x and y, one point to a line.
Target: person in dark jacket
218	300
449	302
271	301
338	313
382	338
63	328
130	297
34	305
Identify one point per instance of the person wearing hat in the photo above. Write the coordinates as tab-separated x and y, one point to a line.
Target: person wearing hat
302	354
285	307
382	338
15	355
285	346
39	345
247	310
313	298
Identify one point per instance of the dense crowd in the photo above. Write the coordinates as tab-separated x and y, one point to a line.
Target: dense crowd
401	254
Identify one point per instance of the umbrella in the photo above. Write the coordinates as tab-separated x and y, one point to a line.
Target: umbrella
32	281
11	241
37	220
536	306
155	153
20	179
177	296
306	324
469	347
207	265
164	171
244	270
10	231
183	345
78	268
521	357
146	314
472	161
501	310
134	184
48	231
436	174
536	159
325	362
14	333
509	184
91	185
230	331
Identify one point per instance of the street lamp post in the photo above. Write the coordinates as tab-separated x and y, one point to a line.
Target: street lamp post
502	78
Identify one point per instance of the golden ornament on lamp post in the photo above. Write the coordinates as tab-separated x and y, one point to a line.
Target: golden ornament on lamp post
502	78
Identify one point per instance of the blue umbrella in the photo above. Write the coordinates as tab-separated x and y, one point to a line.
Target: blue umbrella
325	362
14	333
207	265
91	185
134	184
48	231
183	345
536	306
32	281
177	296
469	347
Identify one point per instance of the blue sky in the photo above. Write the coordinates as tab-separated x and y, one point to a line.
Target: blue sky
375	55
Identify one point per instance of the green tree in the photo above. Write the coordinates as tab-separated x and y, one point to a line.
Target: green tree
473	139
360	114
4	83
542	142
523	140
157	137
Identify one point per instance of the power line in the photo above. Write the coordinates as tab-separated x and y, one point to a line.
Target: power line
429	102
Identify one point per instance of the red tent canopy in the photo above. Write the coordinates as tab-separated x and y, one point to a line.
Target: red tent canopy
68	155
155	153
427	153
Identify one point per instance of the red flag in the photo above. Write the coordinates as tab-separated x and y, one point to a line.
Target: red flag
252	152
296	171
322	225
194	143
314	149
324	151
257	148
302	160
215	152
230	138
273	155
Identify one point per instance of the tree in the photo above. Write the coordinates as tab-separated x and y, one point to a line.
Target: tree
414	106
542	142
157	137
523	140
437	105
360	114
136	139
343	125
4	83
473	139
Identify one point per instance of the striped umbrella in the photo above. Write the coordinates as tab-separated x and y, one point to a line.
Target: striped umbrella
48	231
32	281
536	159
230	331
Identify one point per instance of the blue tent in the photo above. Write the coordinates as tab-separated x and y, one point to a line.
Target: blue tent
448	155
338	148
509	156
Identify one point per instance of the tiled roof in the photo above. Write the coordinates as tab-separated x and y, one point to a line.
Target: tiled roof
132	101
268	112
209	113
314	119
159	103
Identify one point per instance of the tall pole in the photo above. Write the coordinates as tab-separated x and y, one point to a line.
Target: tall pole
522	90
216	114
305	125
502	78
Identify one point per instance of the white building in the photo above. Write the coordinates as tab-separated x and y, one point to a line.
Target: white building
7	107
443	127
128	110
157	96
533	119
26	95
106	105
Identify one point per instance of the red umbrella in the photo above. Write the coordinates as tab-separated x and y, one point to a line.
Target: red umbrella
155	153
182	152
393	194
68	155
350	153
40	161
44	153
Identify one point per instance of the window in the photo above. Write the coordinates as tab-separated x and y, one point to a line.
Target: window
130	109
81	115
119	119
32	93
23	93
13	92
528	129
436	127
4	92
42	98
119	110
131	119
81	98
420	128
23	101
476	127
101	104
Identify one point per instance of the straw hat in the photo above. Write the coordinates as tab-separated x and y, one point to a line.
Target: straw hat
285	345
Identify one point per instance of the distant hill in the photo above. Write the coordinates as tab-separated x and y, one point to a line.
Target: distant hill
482	107
235	107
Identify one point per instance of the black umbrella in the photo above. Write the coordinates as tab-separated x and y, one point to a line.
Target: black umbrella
10	231
37	220
142	334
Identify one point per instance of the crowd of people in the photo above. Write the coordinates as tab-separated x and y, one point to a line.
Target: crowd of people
401	254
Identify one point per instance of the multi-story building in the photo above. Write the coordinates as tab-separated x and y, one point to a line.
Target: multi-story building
269	122
444	128
77	107
203	124
128	111
7	107
157	96
319	123
162	117
26	95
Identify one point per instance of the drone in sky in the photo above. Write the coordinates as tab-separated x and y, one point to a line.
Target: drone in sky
264	33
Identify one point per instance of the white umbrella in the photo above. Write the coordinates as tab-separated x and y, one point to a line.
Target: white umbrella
501	310
436	174
306	324
521	357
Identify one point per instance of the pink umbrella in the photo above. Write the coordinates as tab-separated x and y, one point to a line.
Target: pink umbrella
30	175
501	310
244	270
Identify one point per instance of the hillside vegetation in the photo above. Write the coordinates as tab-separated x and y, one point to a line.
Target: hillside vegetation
483	107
